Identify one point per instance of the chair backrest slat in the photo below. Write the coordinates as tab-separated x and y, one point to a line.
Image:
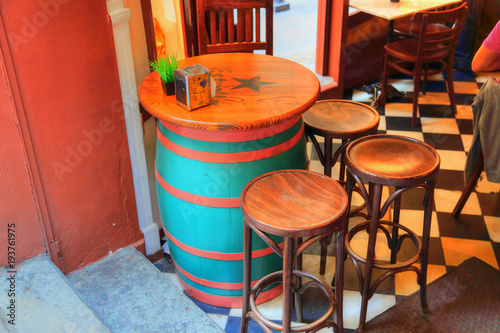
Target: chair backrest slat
222	25
230	26
257	24
213	29
240	26
248	25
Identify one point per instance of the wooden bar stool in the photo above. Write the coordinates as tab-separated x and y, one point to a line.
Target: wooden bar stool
293	204
405	163
337	119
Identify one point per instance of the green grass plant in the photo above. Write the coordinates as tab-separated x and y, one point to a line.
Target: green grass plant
165	66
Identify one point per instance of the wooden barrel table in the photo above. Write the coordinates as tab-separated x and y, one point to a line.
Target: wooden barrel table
205	157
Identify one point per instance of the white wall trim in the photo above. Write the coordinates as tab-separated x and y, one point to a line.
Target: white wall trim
120	15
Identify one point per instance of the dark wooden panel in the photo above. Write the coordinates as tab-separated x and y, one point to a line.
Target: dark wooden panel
364	49
482	17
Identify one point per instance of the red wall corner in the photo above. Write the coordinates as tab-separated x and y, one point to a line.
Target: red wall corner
64	60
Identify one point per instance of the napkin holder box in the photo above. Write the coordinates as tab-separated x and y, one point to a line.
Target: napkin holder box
192	87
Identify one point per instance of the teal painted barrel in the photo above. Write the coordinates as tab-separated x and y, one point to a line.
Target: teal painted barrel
200	175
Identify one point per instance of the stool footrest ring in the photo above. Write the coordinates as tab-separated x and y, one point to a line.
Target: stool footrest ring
277	277
365	226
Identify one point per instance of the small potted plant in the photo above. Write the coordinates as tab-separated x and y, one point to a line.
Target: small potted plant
165	66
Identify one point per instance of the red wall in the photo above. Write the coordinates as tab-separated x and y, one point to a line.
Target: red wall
64	60
17	201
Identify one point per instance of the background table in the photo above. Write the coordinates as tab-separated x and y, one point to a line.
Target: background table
394	10
205	157
391	11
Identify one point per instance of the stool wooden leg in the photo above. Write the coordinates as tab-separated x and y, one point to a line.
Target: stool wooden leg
370	253
298	282
328	156
247	270
339	274
328	172
323	242
429	203
395	218
342	163
287	283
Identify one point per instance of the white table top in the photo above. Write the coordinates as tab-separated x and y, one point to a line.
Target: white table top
393	10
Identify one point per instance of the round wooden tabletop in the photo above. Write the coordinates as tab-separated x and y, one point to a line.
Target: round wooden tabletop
253	91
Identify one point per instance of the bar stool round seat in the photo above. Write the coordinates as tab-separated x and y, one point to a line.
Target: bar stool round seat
337	119
405	163
341	119
392	160
293	204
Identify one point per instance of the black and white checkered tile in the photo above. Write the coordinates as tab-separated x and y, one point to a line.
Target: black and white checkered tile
475	233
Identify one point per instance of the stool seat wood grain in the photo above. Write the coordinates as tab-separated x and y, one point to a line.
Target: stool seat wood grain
341	119
293	203
393	160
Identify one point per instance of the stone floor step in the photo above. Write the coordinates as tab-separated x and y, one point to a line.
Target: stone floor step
129	294
44	301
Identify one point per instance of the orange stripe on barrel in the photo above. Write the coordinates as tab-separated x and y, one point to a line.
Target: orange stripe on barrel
218	255
246	156
195	198
228	301
212	284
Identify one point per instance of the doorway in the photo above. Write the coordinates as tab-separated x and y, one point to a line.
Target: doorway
295	35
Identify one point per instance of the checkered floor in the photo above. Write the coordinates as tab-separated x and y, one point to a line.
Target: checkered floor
475	233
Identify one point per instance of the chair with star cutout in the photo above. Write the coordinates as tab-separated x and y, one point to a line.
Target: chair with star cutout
234	26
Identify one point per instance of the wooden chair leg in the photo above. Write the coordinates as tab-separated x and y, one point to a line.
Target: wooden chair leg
426	79
471	184
383	94
451	89
416	91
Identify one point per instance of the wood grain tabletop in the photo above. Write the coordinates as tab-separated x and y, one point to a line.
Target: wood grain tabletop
252	91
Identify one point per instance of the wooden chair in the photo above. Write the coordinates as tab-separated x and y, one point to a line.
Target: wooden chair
428	54
229	26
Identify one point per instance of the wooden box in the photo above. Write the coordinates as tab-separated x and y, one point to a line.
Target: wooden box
192	87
